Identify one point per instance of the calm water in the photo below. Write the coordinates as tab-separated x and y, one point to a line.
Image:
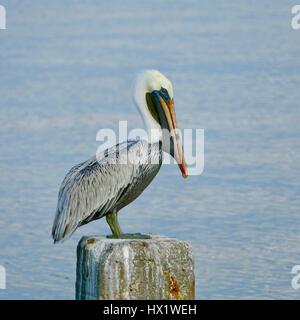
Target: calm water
66	71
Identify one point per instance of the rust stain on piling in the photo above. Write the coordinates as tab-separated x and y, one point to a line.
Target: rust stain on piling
174	288
90	241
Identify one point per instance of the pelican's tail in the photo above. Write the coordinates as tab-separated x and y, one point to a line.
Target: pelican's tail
60	230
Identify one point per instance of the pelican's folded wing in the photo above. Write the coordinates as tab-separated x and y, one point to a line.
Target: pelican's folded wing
93	187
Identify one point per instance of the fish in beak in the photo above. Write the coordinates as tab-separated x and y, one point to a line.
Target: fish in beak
165	114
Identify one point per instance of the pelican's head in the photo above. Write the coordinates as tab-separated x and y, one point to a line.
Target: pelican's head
154	98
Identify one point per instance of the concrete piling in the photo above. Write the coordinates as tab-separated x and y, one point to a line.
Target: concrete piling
158	268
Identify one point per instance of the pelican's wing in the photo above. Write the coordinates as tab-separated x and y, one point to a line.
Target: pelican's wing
95	186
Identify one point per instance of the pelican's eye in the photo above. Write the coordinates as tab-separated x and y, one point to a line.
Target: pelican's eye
164	91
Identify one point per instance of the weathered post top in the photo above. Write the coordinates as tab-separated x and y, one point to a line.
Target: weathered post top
158	268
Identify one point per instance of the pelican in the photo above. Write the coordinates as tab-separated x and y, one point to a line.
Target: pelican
102	187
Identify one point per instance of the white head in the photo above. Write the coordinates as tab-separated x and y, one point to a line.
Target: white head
154	97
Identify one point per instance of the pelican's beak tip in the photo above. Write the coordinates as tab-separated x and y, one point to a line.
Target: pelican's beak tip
183	171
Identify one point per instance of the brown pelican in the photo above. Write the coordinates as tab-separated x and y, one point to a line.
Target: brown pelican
101	187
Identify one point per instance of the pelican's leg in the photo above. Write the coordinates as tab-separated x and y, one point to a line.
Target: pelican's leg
112	220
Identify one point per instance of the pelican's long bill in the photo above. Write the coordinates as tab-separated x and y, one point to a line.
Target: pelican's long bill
162	109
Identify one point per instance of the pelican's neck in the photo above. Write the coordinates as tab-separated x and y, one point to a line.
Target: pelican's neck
152	126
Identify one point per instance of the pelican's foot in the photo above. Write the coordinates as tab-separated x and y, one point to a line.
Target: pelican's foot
129	236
